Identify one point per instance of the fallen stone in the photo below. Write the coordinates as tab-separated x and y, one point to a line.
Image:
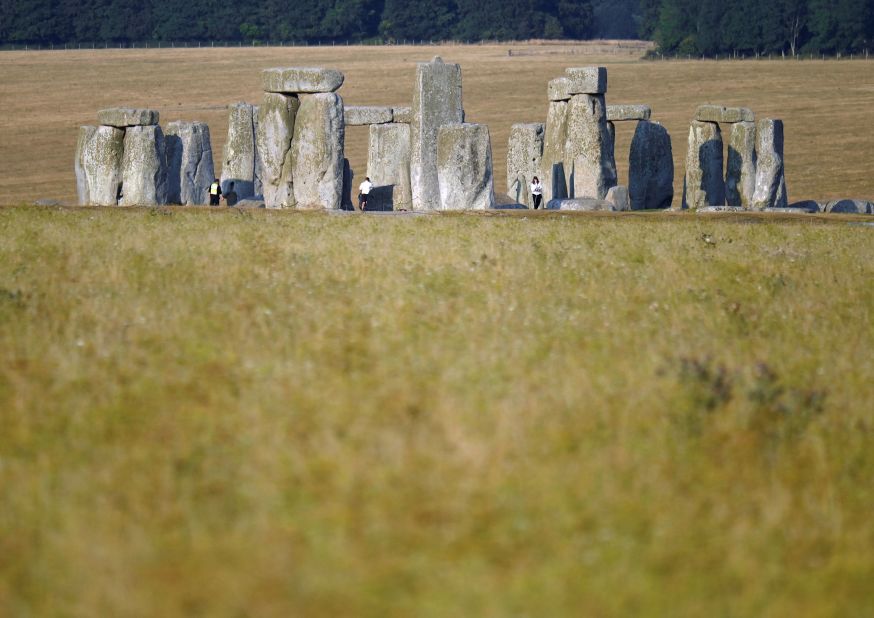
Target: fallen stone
770	189
99	153
557	90
190	168
619	113
859	207
704	209
48	202
127	117
589	148
251	203
740	175
346	202
524	154
317	151
275	128
294	80
402	115
436	103
238	158
364	115
719	113
509	206
650	167
144	167
789	210
808	205
388	167
587	80
618	196
586	204
554	180
464	167
703	184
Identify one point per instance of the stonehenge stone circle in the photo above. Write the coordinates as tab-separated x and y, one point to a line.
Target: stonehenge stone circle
122	117
740	173
388	167
650	167
703	184
298	80
586	80
275	127
238	159
618	196
436	102
554	178
464	167
317	151
557	90
583	204
364	115
719	113
524	153
617	113
190	168
144	167
589	148
770	188
98	165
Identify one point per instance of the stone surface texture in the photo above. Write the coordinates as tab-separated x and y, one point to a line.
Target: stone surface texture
127	117
239	157
770	189
464	167
650	167
557	90
388	167
618	113
84	137
275	128
554	179
317	151
144	167
703	184
589	148
99	153
720	113
584	204
850	206
359	115
740	173
436	102
524	154
618	196
294	80
586	80
190	168
403	115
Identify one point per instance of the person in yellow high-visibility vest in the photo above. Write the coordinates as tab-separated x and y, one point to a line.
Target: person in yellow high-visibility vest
215	192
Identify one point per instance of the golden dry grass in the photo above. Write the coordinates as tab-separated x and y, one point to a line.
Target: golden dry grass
46	95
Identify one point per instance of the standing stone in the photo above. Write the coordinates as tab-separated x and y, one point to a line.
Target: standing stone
348	177
524	154
703	184
144	167
554	179
99	153
436	102
190	168
586	80
317	151
275	128
650	167
740	173
770	179
557	89
464	167
611	132
238	160
388	167
589	149
258	187
618	196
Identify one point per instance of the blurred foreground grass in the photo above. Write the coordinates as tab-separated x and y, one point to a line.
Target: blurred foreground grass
290	414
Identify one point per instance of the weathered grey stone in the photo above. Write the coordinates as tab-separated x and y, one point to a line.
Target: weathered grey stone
238	159
436	102
402	115
723	208
251	203
258	188
99	153
618	196
388	167
703	184
720	113
524	153
127	117
317	151
808	205
850	206
770	180
346	202
587	80
190	168
790	210
144	167
650	167
557	90
294	80
611	133
589	148
619	113
586	204
362	115
740	173
275	123
464	167
554	180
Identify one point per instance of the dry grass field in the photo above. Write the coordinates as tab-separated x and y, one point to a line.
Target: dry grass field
47	95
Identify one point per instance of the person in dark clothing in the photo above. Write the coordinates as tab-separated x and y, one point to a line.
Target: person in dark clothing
215	192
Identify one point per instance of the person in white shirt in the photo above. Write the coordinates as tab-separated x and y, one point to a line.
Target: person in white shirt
363	192
536	192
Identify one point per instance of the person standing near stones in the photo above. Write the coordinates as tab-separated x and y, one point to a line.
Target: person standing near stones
536	192
231	196
363	193
215	192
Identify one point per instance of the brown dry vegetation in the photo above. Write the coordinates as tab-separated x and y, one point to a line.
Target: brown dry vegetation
46	95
